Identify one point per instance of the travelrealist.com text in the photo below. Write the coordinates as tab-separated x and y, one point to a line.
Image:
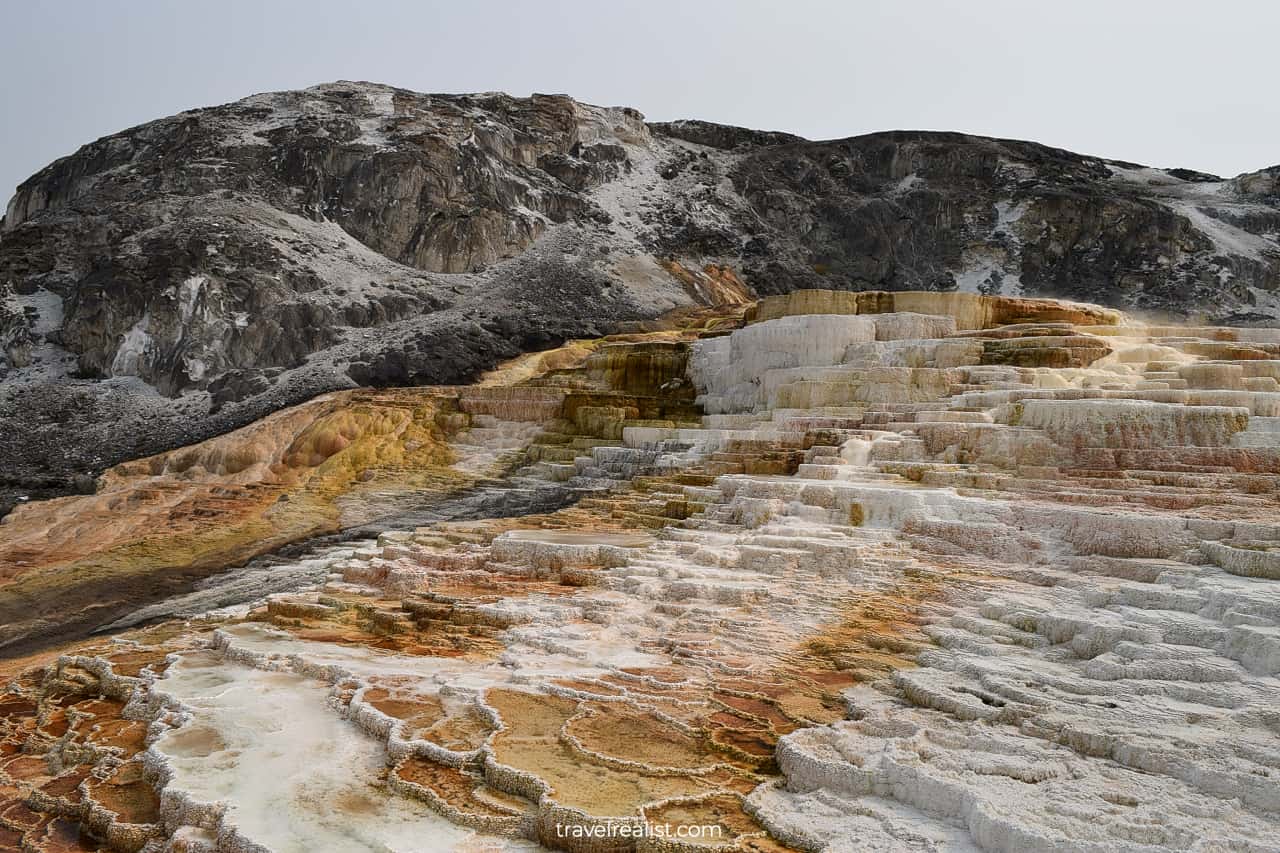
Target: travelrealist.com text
639	830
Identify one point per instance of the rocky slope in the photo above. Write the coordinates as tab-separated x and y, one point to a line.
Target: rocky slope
184	277
839	572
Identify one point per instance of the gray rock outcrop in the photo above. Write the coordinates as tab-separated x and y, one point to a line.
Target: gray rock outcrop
180	278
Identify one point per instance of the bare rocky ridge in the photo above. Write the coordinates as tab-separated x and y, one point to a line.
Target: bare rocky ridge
187	276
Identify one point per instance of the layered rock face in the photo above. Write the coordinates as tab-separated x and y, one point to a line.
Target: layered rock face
903	210
837	572
187	276
193	274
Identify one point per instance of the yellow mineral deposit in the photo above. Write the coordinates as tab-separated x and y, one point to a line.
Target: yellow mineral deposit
861	571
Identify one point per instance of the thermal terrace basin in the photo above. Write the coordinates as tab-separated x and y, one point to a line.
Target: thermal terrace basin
294	776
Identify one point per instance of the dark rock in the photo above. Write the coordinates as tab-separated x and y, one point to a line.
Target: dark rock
181	278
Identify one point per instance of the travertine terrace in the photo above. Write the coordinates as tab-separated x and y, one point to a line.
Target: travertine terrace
852	571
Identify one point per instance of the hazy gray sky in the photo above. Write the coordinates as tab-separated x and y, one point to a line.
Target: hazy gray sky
1169	83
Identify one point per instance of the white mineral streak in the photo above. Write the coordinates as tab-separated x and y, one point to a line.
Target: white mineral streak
262	763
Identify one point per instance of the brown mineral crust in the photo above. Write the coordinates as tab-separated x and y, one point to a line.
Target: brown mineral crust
418	711
459	789
459	732
530	742
971	311
714	284
60	835
161	522
133	662
74	779
638	738
598	688
720	817
67	786
760	709
126	793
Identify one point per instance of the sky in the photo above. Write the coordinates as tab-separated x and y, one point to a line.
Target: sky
1173	83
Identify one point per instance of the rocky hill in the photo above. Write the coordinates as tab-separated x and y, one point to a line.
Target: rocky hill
187	276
